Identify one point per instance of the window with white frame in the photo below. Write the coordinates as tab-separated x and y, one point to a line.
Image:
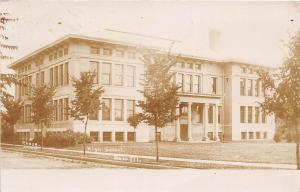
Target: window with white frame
197	84
94	70
106	109
118	75
188	83
118	109
130	108
106	73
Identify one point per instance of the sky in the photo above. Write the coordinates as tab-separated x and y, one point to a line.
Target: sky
254	32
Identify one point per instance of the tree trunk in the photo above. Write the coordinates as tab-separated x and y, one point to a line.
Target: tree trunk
297	145
84	137
156	141
42	137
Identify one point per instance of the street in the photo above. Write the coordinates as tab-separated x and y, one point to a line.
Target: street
16	160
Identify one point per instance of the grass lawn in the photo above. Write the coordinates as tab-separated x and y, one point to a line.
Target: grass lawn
244	151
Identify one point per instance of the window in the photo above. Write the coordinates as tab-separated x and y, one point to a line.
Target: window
55	111
94	116
55	55
118	110
130	136
251	135
198	66
61	110
263	117
249	87
107	52
22	114
250	70
257	135
244	70
95	50
210	114
263	90
27	113
244	135
94	70
256	114
119	136
66	73
106	109
242	86
50	57
188	83
257	84
42	77
130	76
219	114
131	55
106	73
37	79
94	135
210	135
106	136
265	135
118	75
183	110
214	85
61	74
197	83
249	114
66	51
60	53
51	77
28	82
56	76
242	114
66	107
130	108
200	113
119	53
190	65
180	64
180	81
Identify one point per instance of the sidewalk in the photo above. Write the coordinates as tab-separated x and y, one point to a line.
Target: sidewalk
164	161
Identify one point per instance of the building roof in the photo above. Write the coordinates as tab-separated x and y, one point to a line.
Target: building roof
163	47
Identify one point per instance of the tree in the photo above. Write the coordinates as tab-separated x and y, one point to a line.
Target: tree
5	79
87	100
4	19
10	116
42	107
135	120
284	91
160	94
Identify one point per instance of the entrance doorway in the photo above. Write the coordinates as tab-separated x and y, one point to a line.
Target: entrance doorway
184	132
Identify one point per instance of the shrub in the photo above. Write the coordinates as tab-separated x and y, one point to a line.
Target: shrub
62	139
277	138
290	138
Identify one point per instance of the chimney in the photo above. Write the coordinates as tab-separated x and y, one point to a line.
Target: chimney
214	40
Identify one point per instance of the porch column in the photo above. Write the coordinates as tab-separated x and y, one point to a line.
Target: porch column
205	121
100	136
113	136
216	118
189	121
177	126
